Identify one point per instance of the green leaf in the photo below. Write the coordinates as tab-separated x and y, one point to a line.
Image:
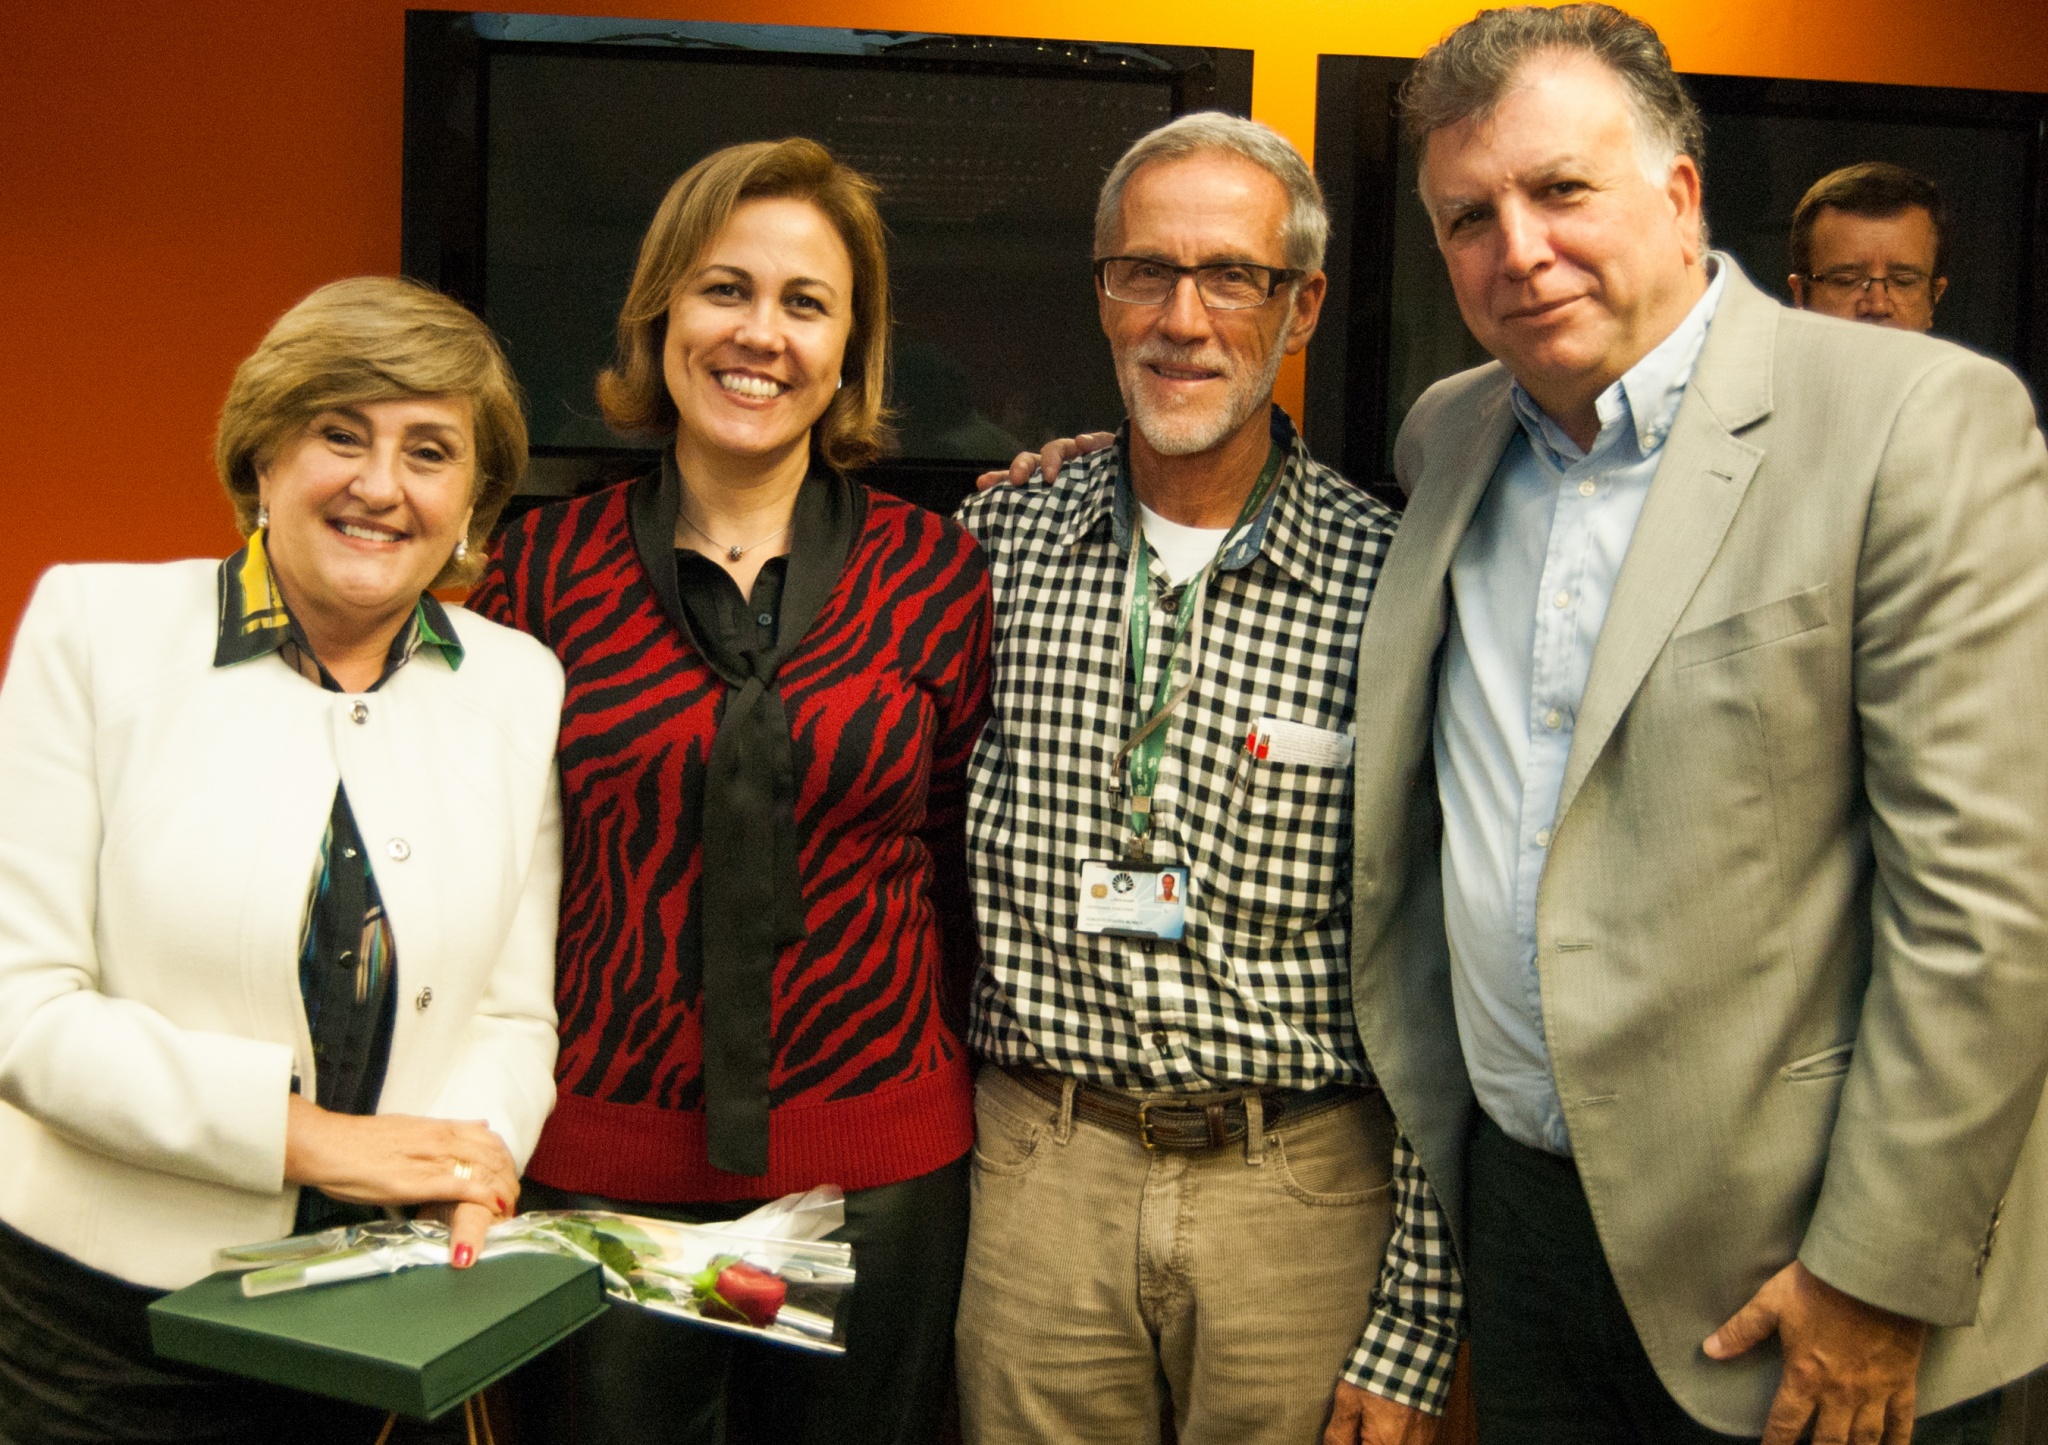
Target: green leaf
616	1254
704	1284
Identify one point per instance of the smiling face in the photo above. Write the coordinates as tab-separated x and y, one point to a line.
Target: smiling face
1846	244
1569	263
757	334
366	506
1191	377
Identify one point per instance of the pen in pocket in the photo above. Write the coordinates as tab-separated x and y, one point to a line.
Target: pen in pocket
1241	769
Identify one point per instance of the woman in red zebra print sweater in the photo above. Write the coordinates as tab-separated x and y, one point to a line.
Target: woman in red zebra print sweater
774	680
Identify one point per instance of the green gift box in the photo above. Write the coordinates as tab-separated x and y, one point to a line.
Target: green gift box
418	1342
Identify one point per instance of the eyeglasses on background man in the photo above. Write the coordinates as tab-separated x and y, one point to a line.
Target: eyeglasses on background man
1870	243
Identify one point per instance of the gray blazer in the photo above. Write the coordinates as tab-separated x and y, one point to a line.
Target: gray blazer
1793	928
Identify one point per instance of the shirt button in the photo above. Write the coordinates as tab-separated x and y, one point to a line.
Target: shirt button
1159	1039
359	713
399	849
1563	599
426	997
1586	488
1543	837
766	619
1553	719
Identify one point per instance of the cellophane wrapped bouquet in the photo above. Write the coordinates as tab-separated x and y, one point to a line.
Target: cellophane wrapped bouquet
771	1274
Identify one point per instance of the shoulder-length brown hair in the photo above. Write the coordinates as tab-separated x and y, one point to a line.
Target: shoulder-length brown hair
633	392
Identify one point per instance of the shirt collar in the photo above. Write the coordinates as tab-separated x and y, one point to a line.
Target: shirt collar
1278	529
255	621
1644	403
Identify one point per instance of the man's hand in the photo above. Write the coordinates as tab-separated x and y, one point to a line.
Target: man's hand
1046	463
1359	1417
1849	1366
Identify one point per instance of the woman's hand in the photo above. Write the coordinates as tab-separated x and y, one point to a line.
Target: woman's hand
466	1225
403	1159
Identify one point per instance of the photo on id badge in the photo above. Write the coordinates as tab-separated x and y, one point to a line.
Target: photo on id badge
1122	899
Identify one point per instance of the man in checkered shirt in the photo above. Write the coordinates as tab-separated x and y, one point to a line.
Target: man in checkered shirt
1184	1171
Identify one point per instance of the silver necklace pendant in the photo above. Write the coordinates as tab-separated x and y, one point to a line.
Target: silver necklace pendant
733	550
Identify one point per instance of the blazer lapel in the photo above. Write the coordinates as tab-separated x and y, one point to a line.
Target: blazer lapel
1700	483
1410	600
1405	625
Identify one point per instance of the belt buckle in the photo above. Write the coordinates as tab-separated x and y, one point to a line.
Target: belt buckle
1145	1126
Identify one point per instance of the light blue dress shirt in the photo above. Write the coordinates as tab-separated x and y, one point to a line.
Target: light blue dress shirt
1530	586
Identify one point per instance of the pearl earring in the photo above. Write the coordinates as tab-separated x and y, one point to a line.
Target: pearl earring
262	515
841	384
462	549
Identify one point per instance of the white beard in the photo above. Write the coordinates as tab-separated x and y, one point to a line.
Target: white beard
1184	428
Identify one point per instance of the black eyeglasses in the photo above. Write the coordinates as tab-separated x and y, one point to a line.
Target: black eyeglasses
1904	285
1224	286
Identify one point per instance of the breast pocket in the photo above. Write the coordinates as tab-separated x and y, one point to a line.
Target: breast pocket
1768	693
1753	628
1287	860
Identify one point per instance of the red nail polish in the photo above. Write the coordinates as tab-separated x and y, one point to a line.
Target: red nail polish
501	1206
463	1255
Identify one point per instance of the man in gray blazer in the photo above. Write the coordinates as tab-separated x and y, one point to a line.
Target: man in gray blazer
1702	800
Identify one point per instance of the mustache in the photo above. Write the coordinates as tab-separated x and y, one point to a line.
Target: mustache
1156	350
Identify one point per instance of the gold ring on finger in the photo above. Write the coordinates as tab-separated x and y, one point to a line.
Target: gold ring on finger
462	1170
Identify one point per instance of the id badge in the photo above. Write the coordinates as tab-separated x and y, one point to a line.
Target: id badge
1133	900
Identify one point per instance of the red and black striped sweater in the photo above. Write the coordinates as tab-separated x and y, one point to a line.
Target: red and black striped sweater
885	696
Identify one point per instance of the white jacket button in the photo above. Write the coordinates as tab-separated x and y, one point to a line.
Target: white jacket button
426	996
359	713
399	849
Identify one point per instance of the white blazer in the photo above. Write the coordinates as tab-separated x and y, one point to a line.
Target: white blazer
160	829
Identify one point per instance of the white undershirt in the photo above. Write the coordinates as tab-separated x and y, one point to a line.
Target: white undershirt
1182	551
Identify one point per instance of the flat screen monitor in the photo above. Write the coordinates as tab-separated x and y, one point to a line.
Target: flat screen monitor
537	148
1391	325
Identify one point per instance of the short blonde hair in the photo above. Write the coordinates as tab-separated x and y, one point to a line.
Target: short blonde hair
633	392
374	338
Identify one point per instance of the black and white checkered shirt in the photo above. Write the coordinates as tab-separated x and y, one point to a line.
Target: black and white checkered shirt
1257	991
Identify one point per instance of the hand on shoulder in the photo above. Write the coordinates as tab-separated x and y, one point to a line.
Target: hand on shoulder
1046	462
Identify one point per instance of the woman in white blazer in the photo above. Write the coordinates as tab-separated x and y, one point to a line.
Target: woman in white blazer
279	863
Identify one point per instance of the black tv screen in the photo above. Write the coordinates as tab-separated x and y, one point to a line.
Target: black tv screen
1391	326
538	148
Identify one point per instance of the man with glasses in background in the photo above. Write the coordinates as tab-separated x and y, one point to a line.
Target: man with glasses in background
1870	243
1184	1171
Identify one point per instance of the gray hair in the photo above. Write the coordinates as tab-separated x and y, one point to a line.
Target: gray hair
1465	75
1303	235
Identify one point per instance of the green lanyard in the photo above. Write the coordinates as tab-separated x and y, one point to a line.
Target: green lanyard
1147	746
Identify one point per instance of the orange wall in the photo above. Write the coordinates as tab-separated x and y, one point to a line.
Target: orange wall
174	174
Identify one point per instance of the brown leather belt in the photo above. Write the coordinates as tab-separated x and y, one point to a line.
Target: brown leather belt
1186	1121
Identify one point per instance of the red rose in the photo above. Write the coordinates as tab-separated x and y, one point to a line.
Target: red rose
746	1295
